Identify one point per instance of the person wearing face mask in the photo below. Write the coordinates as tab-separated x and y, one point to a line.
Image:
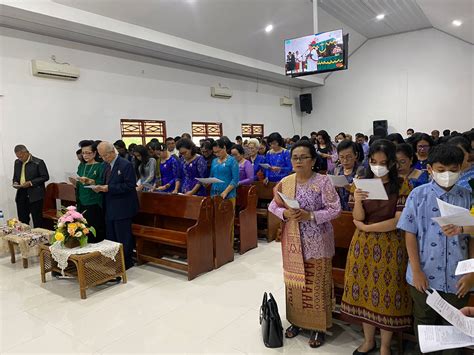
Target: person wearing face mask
374	290
278	158
435	251
422	144
467	168
406	160
410	132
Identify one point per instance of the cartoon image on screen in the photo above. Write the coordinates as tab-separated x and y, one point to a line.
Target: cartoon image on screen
315	53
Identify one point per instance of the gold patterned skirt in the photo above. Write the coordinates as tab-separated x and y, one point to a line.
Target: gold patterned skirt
375	290
311	308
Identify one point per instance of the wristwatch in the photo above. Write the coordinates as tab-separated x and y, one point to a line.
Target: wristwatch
312	216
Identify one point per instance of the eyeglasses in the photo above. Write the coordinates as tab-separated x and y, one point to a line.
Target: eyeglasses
346	157
300	159
402	161
87	153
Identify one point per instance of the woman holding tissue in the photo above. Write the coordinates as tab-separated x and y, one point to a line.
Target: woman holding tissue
375	291
89	203
307	244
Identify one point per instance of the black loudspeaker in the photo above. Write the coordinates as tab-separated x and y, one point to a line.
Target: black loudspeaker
306	103
380	128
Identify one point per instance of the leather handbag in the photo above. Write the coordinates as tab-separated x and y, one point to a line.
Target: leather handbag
272	330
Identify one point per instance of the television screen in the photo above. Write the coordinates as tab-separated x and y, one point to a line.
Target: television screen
314	54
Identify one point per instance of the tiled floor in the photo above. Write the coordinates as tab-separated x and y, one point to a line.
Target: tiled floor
157	311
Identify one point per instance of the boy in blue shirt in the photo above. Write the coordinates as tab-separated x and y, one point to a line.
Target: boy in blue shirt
435	251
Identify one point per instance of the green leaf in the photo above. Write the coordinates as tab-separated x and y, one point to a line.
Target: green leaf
92	230
83	241
52	239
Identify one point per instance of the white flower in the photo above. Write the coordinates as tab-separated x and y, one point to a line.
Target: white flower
78	234
60	225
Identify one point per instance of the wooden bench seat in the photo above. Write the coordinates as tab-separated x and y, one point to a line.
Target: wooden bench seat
56	191
171	226
268	224
246	218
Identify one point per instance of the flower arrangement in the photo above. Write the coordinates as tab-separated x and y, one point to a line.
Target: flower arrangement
13	225
72	229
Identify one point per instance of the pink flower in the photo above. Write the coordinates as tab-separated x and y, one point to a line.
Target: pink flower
67	219
76	215
71	208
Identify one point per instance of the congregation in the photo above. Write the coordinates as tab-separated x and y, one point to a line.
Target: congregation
395	239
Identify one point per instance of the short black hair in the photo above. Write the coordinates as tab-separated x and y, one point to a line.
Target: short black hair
446	154
238	138
220	143
156	146
314	133
119	144
187	144
342	134
345	144
131	147
411	129
396	138
295	138
359	135
206	145
304	138
446	132
238	148
169	139
462	142
276	137
407	150
79	151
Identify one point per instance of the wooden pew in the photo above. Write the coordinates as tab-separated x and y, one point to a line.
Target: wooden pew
223	241
268	223
344	229
175	225
246	218
62	191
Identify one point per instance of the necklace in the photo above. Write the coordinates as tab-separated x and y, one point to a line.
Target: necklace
90	170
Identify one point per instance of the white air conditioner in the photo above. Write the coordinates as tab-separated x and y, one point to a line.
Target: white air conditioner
54	70
220	92
286	101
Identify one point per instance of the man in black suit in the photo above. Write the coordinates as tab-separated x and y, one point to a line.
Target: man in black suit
120	199
29	175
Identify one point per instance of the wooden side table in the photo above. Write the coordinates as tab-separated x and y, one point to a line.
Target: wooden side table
28	244
89	269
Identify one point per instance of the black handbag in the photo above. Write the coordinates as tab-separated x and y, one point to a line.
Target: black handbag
272	330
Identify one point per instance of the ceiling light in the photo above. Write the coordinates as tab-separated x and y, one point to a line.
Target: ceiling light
380	17
269	28
457	23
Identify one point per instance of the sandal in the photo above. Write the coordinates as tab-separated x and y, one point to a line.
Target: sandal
316	339
292	331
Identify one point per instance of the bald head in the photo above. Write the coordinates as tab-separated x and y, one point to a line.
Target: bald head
107	151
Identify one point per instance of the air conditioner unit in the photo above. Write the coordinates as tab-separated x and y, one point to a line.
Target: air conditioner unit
286	101
54	70
220	92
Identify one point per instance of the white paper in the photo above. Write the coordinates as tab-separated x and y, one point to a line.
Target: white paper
338	180
374	187
266	166
441	337
453	315
90	186
207	181
451	214
289	201
465	267
58	204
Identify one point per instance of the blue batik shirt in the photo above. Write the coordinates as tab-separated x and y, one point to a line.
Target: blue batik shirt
466	177
439	255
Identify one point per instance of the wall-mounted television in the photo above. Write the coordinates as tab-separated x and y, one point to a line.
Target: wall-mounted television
318	53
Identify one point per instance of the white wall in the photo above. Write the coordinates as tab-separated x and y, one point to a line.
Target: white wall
51	116
422	80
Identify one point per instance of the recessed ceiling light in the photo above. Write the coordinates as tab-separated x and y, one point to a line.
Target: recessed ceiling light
457	23
269	28
380	17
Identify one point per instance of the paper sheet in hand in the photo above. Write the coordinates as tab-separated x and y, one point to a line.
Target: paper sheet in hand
90	186
465	267
374	187
207	181
450	313
266	166
289	201
451	214
338	180
440	337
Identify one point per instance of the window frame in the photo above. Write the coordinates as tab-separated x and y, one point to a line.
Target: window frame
206	133
253	134
143	130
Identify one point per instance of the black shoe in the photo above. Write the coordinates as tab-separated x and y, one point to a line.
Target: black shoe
357	352
116	280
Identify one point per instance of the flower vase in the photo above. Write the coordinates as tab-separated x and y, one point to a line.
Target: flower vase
72	243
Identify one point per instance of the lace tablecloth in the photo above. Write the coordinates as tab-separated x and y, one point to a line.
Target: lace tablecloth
61	254
28	241
5	230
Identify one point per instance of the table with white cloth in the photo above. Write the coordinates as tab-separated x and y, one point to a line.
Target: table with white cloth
26	240
92	265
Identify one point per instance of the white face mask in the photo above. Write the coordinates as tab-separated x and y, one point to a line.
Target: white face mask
379	170
446	179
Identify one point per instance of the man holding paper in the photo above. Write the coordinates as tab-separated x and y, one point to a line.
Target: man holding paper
435	251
